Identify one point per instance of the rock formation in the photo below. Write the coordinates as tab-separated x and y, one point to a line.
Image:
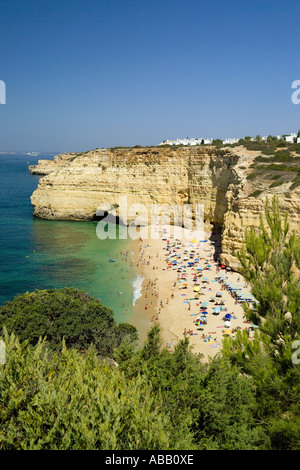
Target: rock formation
44	167
77	186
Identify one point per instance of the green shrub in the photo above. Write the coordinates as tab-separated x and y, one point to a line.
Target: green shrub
260	158
267	151
279	167
276	183
70	401
294	148
296	183
67	314
255	193
281	144
276	177
280	156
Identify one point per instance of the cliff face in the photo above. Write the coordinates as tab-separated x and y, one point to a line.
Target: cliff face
76	188
245	212
78	185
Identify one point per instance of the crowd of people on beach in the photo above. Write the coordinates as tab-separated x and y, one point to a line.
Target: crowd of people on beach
202	283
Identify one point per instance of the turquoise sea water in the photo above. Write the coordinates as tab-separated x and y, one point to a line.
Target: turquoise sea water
42	254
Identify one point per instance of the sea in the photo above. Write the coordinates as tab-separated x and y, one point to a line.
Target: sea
44	254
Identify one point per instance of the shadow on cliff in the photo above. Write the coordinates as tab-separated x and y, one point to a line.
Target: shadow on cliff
221	176
216	239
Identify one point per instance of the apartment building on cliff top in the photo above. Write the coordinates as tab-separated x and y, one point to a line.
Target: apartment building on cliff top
291	138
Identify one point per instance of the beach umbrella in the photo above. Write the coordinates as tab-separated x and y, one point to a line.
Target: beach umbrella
219	294
205	279
227	323
204	304
217	310
196	289
227	332
204	313
227	316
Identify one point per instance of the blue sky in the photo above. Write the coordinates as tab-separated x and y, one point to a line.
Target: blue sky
95	73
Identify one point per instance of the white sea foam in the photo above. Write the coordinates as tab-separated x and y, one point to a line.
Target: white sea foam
137	288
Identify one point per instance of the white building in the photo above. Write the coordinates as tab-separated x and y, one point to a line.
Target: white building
290	138
198	141
186	141
230	141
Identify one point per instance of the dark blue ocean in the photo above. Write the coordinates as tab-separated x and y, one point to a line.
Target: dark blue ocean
43	254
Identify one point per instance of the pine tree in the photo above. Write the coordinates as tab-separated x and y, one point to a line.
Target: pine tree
66	400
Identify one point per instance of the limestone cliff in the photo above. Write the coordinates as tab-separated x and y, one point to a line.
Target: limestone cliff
77	185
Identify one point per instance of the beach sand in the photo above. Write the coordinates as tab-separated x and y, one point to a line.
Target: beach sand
168	295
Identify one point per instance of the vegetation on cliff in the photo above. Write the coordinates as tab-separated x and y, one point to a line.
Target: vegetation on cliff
69	401
59	394
67	314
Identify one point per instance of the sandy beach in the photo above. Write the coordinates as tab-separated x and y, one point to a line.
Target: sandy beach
187	291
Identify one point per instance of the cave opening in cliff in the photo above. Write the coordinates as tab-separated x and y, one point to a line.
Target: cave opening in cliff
109	218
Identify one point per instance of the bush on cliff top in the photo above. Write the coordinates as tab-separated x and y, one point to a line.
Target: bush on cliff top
66	313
